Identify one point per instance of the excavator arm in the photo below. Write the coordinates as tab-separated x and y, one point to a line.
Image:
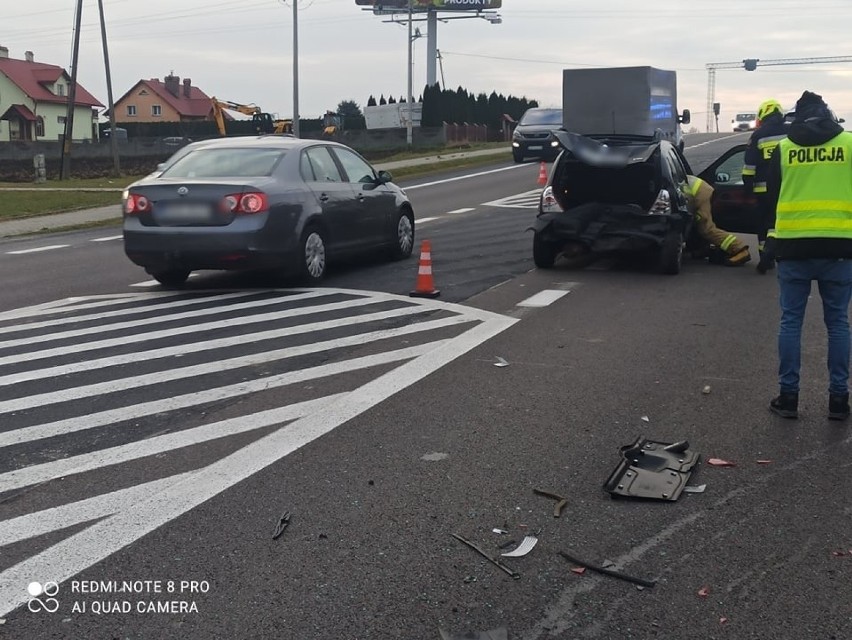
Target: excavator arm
263	122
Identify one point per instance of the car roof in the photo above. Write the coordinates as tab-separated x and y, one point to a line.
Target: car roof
265	141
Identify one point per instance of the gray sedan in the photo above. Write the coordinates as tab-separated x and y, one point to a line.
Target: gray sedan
268	202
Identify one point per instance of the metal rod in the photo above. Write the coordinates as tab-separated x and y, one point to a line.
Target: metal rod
608	572
494	561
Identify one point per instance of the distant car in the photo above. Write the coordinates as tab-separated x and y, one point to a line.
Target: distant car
624	196
120	134
744	122
533	135
267	202
176	141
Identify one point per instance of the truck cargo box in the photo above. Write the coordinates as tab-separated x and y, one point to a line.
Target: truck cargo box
639	101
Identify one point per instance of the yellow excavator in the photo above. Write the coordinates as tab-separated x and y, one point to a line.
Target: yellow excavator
263	122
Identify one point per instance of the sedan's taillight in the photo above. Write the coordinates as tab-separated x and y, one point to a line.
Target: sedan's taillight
548	201
135	204
252	202
662	205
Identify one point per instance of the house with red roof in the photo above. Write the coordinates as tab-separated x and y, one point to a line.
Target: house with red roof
34	101
170	100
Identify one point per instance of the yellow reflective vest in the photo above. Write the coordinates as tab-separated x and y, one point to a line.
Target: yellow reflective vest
815	197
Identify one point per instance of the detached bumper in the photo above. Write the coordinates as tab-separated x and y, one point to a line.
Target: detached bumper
603	228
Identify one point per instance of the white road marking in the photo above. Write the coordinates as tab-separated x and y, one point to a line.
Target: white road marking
465	177
136	512
154	283
114	385
701	144
37	249
526	200
422	220
175	331
543	298
107	239
207	345
462	210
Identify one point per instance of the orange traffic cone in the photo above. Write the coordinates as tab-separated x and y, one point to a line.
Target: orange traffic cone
542	175
425	287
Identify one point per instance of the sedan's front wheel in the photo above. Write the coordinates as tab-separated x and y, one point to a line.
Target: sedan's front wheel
403	241
312	255
170	277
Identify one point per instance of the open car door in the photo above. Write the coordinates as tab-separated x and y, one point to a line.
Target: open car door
734	207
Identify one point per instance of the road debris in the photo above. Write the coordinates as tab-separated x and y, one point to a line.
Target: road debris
646	419
494	634
578	570
283	522
494	561
723	620
695	488
560	501
502	532
608	572
718	462
706	390
652	470
704	592
501	362
764	461
523	549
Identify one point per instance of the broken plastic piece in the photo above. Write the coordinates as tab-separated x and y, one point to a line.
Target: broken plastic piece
723	620
706	390
283	522
653	470
608	572
500	531
561	502
718	462
523	549
838	554
501	362
704	592
695	488
764	462
645	419
494	634
579	570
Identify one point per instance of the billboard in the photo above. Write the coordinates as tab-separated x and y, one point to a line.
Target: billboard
425	5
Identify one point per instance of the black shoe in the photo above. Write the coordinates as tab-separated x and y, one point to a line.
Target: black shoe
785	405
838	406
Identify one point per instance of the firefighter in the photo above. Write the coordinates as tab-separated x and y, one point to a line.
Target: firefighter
771	129
809	182
699	196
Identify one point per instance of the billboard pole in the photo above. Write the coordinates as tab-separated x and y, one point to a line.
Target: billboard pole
296	68
409	126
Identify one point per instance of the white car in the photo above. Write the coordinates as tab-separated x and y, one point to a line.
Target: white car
744	122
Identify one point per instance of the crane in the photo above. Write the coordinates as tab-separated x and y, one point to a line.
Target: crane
750	64
263	122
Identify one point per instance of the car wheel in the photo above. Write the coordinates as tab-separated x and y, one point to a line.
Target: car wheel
517	157
171	277
403	240
671	253
312	255
544	252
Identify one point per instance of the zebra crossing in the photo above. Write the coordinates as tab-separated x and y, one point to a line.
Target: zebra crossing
90	384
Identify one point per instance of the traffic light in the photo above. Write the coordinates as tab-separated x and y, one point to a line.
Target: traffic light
717	107
750	64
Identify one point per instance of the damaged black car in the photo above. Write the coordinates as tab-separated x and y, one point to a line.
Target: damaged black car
623	196
611	195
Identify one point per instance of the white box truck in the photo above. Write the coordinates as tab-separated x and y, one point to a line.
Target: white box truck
635	101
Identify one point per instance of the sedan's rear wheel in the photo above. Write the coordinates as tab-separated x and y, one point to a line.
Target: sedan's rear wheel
403	241
171	277
312	255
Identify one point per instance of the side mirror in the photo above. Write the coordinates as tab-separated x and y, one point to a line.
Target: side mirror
385	176
723	177
686	117
841	120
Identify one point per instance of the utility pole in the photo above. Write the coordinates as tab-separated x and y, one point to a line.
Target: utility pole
113	139
409	127
296	68
65	169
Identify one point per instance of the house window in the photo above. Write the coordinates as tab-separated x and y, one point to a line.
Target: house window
39	127
156	110
131	109
60	89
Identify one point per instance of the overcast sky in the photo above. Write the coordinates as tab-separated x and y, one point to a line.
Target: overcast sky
242	50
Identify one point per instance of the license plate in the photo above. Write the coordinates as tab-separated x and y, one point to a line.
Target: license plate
535	147
185	212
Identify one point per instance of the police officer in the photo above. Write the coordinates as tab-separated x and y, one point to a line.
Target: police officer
699	196
810	189
771	129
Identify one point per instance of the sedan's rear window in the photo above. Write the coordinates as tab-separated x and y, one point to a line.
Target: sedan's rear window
225	163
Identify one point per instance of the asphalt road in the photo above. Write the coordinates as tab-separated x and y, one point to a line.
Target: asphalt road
153	441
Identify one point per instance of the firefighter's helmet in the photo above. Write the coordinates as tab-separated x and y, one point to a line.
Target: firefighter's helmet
767	108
